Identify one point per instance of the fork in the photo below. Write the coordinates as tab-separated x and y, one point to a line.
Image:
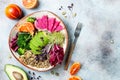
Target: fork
76	35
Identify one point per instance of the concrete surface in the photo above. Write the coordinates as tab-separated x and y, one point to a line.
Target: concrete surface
97	49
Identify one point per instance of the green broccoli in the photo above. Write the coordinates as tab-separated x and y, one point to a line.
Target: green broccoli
21	51
31	19
23	40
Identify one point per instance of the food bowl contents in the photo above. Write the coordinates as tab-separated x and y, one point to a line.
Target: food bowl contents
75	68
50	24
29	4
15	72
13	11
39	42
39	61
27	27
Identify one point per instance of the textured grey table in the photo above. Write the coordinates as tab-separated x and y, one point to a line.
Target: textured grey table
97	49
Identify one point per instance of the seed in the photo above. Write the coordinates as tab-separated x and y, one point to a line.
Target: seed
63	13
29	72
33	73
112	41
17	76
57	74
74	14
72	4
39	76
59	8
65	16
31	78
52	72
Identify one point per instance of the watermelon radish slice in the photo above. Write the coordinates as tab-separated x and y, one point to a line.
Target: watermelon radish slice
51	24
58	28
55	25
38	24
45	21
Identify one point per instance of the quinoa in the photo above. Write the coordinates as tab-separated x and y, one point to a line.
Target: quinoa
30	59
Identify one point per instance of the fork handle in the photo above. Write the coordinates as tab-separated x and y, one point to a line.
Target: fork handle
68	59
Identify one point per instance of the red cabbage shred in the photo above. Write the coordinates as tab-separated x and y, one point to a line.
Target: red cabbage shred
56	55
13	44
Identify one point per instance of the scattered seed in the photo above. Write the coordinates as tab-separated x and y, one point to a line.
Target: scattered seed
65	16
74	14
52	72
112	41
57	74
29	72
63	13
70	8
31	78
39	76
72	4
61	8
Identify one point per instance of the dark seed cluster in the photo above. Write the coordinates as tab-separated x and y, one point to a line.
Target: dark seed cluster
33	76
55	73
70	8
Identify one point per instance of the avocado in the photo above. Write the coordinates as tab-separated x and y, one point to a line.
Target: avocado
15	72
39	41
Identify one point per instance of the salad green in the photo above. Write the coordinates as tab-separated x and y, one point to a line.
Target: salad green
31	19
56	38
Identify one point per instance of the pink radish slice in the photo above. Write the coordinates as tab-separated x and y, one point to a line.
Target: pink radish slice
38	24
58	28
56	25
51	24
45	21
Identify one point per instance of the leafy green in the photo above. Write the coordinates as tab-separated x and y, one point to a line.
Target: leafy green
56	37
31	19
23	40
21	51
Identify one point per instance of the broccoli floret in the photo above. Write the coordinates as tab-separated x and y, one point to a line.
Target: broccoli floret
21	51
23	40
31	19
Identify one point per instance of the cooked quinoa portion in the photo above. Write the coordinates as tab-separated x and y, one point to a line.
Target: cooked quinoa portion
35	60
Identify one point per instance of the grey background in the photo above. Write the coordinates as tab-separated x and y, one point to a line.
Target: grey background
97	49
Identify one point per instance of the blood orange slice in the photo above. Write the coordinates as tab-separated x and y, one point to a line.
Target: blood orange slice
30	3
27	27
75	68
75	78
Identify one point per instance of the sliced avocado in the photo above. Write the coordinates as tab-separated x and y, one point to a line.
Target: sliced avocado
15	72
39	41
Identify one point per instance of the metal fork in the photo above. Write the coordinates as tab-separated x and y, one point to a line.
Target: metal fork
76	35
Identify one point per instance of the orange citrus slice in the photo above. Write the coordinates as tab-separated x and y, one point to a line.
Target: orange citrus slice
30	3
75	78
27	27
75	68
13	11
